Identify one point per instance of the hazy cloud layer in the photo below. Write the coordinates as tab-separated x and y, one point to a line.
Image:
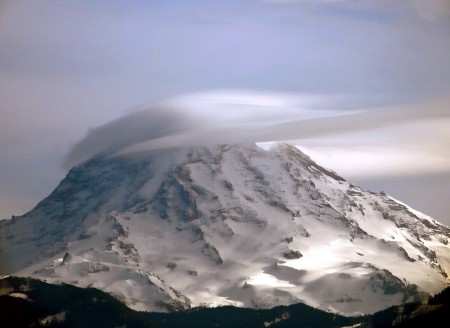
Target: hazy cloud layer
179	46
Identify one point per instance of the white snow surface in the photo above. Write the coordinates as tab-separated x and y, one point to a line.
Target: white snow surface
227	225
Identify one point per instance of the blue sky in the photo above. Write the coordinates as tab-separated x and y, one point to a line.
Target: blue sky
69	66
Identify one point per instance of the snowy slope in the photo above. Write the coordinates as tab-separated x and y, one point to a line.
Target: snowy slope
237	225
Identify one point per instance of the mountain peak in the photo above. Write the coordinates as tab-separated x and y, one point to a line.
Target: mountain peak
227	224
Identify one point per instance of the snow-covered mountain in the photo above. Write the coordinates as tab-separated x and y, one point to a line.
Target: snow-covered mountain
219	225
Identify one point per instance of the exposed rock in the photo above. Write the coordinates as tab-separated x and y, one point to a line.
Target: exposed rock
290	255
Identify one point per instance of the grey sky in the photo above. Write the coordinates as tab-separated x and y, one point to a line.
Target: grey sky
70	66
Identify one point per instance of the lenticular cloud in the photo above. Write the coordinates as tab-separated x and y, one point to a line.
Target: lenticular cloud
215	117
235	117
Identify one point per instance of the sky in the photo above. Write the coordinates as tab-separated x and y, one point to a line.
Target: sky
362	86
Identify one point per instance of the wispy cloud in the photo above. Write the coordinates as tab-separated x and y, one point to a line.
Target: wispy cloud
431	10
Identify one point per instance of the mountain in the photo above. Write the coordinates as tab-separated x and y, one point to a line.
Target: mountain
26	302
227	225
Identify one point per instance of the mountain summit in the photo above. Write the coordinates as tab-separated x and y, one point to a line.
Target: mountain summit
229	224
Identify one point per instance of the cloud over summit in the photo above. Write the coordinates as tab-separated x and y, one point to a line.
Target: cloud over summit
219	117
